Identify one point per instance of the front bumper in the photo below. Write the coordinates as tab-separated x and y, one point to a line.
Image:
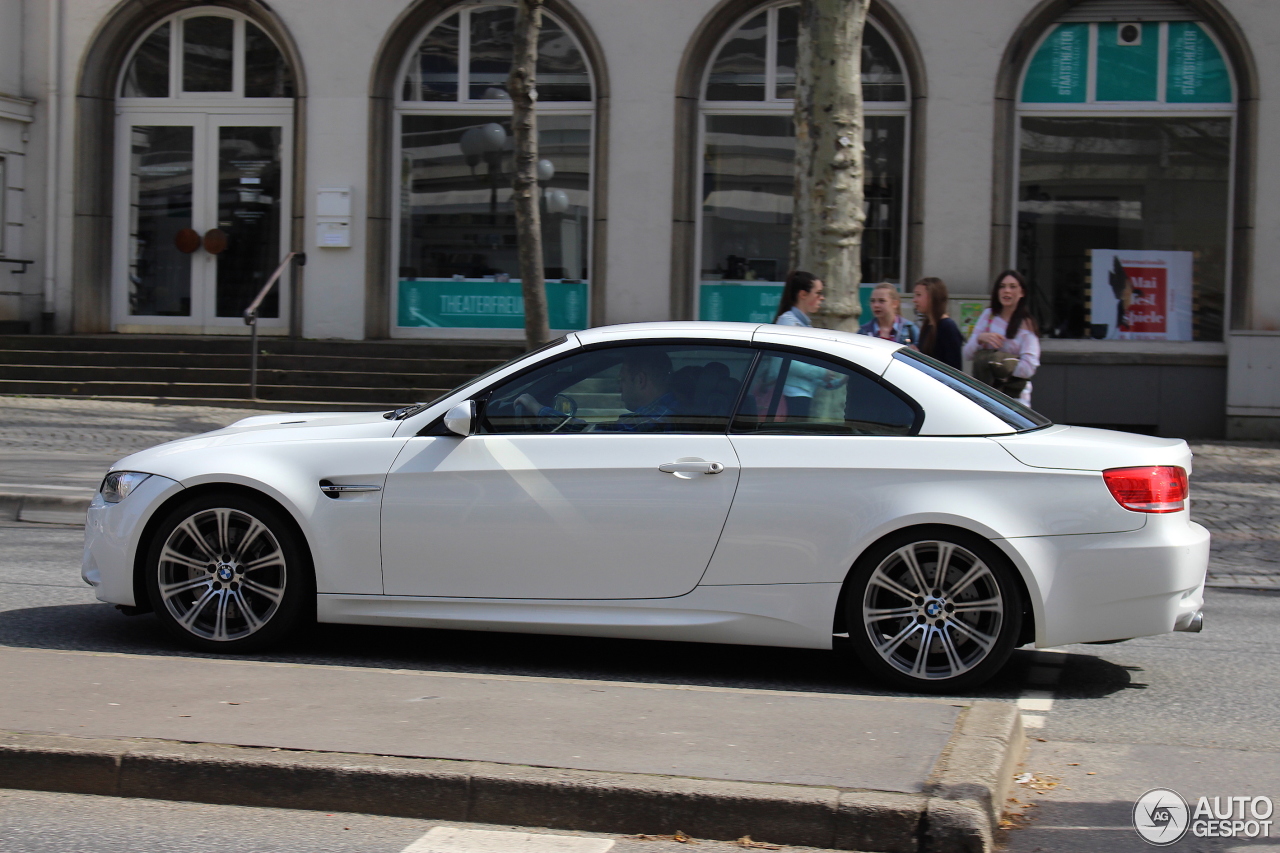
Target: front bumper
1116	586
111	536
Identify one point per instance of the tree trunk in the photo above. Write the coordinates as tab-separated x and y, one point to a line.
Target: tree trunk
522	86
827	218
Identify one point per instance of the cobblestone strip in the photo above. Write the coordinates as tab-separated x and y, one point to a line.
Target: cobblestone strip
1235	493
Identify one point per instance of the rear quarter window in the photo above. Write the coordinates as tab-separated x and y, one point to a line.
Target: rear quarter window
1007	409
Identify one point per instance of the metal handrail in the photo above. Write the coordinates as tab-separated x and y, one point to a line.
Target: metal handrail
251	316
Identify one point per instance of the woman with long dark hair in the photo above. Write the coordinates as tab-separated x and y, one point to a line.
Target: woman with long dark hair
1005	346
801	297
940	337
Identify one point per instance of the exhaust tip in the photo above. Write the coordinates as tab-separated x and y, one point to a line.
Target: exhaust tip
1192	625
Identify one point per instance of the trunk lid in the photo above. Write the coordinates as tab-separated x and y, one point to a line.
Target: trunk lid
1087	449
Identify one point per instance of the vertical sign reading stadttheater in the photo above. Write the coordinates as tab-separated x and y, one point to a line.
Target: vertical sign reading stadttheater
1197	72
1056	75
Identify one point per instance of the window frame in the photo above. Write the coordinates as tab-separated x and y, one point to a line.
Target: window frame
918	411
179	98
777	107
4	203
482	399
480	108
1160	108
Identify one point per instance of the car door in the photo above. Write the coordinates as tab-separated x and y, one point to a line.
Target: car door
826	451
573	486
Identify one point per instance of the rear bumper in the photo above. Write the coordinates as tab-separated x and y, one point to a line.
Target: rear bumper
1115	586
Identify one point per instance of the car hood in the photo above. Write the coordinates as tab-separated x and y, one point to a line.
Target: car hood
1086	449
266	429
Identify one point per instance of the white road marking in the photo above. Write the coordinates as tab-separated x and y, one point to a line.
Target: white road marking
1035	704
447	839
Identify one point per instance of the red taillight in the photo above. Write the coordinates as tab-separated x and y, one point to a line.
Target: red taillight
1155	488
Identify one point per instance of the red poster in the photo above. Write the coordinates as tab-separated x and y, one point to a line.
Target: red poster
1148	312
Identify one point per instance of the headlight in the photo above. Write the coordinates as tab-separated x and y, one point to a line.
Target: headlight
117	485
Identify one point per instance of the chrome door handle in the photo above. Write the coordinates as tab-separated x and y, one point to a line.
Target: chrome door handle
691	468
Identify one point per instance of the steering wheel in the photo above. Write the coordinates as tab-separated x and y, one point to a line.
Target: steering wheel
565	405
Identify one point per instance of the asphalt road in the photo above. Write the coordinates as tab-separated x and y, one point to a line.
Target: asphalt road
1196	713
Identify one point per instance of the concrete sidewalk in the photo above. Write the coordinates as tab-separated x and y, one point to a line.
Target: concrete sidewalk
836	771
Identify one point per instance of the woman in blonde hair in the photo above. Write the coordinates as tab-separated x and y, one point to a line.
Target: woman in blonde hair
887	322
940	337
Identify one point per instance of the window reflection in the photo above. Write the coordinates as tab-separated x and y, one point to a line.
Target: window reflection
1129	183
148	74
266	75
748	179
161	169
434	74
457	218
738	73
206	54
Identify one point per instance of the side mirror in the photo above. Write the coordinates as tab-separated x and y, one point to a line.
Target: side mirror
460	418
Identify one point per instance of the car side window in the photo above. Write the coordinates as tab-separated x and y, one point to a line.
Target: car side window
675	388
792	394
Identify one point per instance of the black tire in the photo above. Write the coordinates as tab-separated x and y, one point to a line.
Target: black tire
227	572
928	631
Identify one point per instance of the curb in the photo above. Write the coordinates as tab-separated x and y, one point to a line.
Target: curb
958	811
46	509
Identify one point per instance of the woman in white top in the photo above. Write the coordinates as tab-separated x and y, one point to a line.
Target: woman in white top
1009	327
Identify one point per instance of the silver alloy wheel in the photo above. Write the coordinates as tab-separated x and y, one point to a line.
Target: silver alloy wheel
222	574
933	610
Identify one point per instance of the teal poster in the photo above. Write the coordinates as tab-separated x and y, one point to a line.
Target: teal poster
485	304
1056	74
1197	72
753	301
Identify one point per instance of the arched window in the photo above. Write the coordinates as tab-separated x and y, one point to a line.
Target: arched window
1125	138
748	148
455	235
204	130
207	53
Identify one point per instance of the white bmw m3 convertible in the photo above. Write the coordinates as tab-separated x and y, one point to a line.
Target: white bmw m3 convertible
710	482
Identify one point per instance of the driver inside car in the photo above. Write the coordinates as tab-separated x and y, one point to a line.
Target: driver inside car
644	384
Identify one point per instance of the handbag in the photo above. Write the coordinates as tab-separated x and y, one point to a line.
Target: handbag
995	368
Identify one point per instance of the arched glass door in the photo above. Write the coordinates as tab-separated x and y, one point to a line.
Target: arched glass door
204	135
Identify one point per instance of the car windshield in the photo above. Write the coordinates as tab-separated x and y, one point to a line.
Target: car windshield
410	411
1005	408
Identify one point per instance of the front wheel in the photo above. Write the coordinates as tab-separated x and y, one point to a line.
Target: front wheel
933	611
226	573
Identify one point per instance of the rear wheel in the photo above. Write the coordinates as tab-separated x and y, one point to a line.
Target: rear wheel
226	573
934	611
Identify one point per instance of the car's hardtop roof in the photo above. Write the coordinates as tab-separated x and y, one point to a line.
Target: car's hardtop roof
758	332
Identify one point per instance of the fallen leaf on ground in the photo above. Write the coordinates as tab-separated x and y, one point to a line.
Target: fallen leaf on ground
678	835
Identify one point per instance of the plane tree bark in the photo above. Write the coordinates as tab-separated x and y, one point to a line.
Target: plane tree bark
828	214
522	86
